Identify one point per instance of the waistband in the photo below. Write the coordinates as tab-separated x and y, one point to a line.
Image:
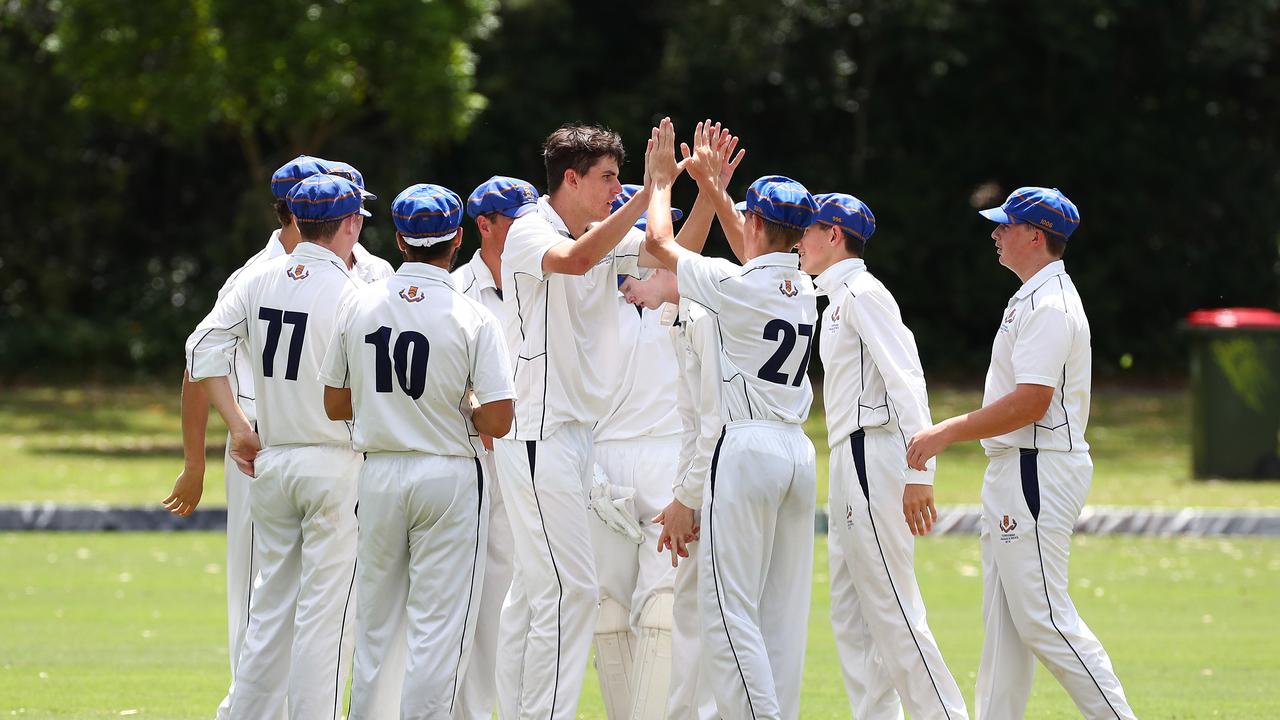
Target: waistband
769	424
1004	453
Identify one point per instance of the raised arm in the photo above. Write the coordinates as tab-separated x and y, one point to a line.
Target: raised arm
661	171
712	163
576	257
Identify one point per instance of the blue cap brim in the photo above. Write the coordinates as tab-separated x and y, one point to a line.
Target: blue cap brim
997	215
677	214
367	195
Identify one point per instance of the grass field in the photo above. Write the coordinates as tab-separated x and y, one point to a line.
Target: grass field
121	625
122	446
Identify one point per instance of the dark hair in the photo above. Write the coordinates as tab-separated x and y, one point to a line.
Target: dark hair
780	236
283	213
320	230
1057	246
578	147
852	244
432	253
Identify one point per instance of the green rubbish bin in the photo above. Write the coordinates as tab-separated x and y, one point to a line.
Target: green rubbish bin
1235	393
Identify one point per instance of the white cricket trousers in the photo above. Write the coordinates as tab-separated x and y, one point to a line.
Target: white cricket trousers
420	563
756	567
1030	502
476	692
298	644
690	696
241	567
549	616
888	654
630	573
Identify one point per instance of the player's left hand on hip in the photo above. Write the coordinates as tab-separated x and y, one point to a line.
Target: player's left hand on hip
918	508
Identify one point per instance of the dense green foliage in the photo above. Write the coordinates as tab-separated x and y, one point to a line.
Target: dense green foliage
139	139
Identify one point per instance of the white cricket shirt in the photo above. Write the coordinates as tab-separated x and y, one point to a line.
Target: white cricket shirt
699	400
474	280
368	267
566	365
1044	339
642	405
872	371
284	311
764	313
409	348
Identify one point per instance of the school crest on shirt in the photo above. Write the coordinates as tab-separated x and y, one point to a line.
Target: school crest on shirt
848	516
788	288
1007	526
1008	319
835	314
411	294
298	272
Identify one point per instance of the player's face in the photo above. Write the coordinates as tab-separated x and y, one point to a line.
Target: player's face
598	187
1014	244
494	231
816	248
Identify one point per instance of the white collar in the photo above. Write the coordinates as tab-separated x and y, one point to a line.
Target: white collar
1057	267
308	249
830	278
480	271
786	259
549	214
426	271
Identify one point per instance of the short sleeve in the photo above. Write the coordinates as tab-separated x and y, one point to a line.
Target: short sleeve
529	239
335	370
626	255
1040	351
210	348
490	366
699	278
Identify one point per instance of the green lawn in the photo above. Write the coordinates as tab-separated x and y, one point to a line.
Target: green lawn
122	446
111	625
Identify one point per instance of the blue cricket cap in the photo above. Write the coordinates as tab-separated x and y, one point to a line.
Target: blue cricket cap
628	192
426	214
506	195
781	200
294	172
845	212
1046	208
324	198
349	171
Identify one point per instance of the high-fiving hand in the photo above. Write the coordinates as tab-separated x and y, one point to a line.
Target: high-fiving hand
660	166
711	162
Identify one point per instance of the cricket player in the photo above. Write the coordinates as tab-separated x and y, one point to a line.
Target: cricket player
874	390
689	696
493	206
302	497
561	278
1034	411
241	565
406	357
758	507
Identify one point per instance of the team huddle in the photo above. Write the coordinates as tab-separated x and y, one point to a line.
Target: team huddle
448	486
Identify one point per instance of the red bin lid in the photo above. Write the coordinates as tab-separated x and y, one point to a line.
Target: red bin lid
1234	318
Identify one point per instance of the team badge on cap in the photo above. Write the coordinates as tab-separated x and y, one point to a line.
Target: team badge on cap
781	201
845	212
1046	208
506	195
426	214
324	198
628	192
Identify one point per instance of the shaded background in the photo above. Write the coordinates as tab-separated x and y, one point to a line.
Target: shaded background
137	141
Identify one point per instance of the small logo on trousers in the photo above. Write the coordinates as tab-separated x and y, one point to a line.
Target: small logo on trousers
1007	526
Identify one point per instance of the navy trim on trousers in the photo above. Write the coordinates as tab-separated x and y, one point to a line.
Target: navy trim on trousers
471	591
342	629
715	578
858	445
531	447
1031	492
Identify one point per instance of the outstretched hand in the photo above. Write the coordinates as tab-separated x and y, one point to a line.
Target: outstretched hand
660	166
711	162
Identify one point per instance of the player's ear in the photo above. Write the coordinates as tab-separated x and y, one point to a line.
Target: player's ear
571	177
483	224
457	239
400	243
